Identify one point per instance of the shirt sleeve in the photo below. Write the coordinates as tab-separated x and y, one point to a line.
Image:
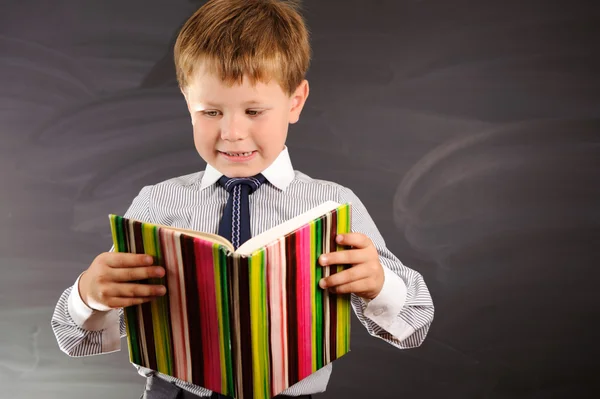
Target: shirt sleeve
403	311
82	331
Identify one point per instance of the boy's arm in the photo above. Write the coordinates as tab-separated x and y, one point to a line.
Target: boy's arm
403	311
82	331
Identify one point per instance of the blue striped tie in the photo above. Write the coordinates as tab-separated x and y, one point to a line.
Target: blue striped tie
235	222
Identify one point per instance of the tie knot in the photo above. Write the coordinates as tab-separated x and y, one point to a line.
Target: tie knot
254	182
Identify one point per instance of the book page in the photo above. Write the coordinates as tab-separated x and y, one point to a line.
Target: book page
289	226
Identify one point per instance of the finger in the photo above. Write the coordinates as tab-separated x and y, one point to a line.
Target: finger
346	257
105	294
121	260
136	273
356	240
115	303
347	276
354	287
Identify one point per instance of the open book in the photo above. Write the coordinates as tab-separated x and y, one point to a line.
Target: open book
246	323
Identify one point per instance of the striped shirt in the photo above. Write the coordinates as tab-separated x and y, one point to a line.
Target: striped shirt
401	314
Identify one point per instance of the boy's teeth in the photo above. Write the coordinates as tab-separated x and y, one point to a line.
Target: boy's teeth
244	154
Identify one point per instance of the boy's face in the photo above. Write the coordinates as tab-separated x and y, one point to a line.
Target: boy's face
240	130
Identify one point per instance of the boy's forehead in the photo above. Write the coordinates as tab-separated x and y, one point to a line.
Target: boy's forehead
206	85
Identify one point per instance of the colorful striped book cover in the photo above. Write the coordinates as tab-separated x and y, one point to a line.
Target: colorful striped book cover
248	323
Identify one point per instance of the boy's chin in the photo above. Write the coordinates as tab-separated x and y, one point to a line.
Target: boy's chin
241	169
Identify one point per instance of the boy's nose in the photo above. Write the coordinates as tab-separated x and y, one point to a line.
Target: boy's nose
232	129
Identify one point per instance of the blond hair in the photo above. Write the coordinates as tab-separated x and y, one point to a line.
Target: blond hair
259	39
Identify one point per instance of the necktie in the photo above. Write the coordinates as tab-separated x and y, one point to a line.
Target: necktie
235	223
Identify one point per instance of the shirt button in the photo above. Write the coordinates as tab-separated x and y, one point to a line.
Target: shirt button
379	311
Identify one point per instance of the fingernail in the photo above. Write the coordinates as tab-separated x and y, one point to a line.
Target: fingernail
323	259
339	238
322	283
148	260
162	290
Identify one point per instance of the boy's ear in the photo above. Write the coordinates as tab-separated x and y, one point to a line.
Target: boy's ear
187	103
298	100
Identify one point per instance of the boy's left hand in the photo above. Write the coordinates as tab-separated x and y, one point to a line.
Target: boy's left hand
365	276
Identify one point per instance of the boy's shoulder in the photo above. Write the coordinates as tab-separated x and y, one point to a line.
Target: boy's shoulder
188	180
184	188
302	179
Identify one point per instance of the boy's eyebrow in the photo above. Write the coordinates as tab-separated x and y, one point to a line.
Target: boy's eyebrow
251	102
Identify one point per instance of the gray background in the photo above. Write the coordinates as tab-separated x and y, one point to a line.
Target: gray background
470	129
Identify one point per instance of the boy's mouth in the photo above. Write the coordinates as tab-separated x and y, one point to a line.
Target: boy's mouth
245	156
237	154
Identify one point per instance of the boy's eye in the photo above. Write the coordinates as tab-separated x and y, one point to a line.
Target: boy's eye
253	112
211	113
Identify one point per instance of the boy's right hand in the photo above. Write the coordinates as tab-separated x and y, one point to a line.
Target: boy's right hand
107	283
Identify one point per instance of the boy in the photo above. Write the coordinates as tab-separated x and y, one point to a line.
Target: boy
241	66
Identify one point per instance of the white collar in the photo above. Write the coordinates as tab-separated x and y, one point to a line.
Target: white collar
280	173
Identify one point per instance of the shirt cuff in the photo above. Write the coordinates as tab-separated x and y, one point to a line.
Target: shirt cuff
385	308
85	317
